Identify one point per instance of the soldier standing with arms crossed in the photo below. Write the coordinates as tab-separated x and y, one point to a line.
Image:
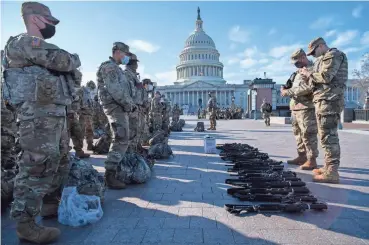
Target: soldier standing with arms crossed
329	82
116	98
304	123
34	79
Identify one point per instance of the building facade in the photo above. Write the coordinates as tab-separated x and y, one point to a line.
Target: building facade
200	71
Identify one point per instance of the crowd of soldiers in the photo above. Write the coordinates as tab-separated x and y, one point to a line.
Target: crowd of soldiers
232	112
44	106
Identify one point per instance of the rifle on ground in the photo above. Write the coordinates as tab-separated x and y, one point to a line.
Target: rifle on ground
268	207
290	198
273	191
272	184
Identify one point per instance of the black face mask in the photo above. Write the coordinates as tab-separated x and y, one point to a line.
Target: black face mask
299	64
48	31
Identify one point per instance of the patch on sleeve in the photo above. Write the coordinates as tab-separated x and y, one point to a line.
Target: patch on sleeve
36	42
327	62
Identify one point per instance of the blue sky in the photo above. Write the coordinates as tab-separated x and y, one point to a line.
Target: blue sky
251	37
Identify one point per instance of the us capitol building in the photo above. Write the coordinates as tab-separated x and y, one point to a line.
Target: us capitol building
199	71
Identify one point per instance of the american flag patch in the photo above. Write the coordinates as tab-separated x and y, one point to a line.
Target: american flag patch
36	42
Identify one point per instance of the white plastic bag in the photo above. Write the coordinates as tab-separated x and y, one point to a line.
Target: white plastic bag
78	210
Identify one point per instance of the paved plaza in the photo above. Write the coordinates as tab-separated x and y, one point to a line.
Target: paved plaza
183	202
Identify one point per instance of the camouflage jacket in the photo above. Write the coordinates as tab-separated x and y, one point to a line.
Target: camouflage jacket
156	106
37	71
212	104
301	92
330	77
135	84
113	87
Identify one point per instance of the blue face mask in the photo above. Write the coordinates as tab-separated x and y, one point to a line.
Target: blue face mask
125	60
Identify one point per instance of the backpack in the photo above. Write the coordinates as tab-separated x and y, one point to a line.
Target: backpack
268	107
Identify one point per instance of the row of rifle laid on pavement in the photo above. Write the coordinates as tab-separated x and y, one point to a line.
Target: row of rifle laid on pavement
261	179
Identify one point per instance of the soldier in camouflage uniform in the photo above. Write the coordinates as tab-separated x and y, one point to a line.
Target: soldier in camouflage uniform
304	123
166	114
115	95
176	113
134	119
74	127
212	108
265	109
156	113
35	73
86	114
329	81
145	110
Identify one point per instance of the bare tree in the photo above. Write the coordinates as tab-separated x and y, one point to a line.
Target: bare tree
361	80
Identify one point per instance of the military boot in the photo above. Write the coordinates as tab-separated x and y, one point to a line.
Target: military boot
310	164
330	175
49	210
35	233
112	182
82	154
318	171
301	159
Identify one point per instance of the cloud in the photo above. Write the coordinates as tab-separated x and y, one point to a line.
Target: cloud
356	12
250	52
330	33
140	45
322	23
280	51
272	31
233	46
351	50
233	61
247	63
263	61
365	38
344	38
237	35
166	78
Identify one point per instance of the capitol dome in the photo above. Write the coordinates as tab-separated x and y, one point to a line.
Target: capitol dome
199	60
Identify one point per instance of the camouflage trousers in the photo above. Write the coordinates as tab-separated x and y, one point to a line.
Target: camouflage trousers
175	117
212	119
99	119
142	128
119	127
134	123
8	137
328	115
43	165
305	129
266	117
75	131
157	121
85	121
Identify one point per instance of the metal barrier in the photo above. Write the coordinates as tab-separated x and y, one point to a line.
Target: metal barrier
361	114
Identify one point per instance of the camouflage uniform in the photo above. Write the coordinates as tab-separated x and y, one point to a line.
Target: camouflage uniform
304	123
85	116
99	118
266	114
115	95
36	75
176	113
145	111
212	107
134	118
156	114
166	115
329	87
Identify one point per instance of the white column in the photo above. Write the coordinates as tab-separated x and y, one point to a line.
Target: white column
352	93
188	97
197	97
346	93
357	94
193	98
